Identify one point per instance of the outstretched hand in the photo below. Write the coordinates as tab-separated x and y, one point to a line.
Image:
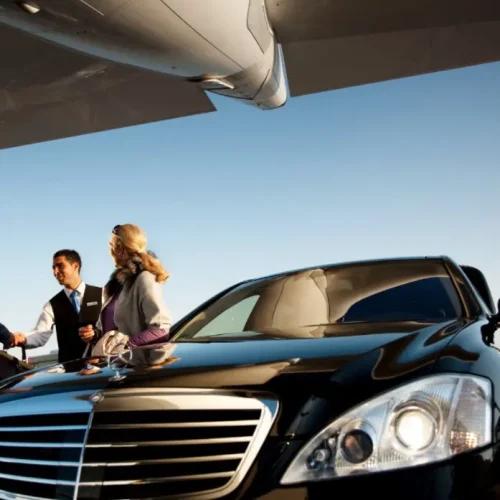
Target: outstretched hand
19	339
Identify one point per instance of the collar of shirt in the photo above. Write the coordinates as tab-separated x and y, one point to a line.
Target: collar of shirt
80	289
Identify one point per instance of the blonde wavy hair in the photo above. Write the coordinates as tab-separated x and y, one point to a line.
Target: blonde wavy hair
129	243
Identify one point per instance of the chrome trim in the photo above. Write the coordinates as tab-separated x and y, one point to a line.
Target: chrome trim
82	454
15	444
173	443
172	479
174	399
27	461
268	417
37	480
212	458
45	428
230	423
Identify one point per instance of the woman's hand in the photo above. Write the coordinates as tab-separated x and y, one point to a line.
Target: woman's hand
86	333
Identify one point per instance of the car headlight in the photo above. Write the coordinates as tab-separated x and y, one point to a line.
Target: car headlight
425	421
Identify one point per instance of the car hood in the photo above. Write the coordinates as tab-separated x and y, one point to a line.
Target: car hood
383	352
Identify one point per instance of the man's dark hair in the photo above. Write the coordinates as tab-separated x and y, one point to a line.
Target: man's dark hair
72	256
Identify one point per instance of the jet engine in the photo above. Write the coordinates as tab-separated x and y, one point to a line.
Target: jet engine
226	46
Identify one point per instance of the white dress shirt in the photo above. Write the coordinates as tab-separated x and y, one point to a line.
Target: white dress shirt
40	335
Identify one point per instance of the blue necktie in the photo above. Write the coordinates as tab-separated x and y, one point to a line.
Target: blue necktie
75	303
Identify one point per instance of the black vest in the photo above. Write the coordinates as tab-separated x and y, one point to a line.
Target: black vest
67	321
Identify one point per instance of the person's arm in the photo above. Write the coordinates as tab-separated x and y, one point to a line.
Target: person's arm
40	335
6	337
149	336
155	312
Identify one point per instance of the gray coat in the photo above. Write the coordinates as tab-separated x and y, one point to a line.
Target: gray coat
140	306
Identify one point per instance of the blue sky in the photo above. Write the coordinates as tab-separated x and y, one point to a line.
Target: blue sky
400	168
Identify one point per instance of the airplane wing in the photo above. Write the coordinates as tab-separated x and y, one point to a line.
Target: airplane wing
49	92
330	44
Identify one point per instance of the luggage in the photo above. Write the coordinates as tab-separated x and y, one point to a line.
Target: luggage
10	365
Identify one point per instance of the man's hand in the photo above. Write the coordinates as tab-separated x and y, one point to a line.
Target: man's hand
19	339
86	333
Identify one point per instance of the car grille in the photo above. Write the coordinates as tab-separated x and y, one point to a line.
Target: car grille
41	453
135	445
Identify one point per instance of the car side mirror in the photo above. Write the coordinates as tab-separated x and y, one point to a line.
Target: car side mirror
495	319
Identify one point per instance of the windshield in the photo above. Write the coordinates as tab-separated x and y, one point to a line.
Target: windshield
305	303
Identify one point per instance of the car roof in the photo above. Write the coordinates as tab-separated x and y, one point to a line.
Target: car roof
441	258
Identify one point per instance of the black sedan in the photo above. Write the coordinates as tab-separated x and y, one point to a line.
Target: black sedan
356	380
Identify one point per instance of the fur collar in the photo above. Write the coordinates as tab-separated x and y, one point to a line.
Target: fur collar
131	269
122	275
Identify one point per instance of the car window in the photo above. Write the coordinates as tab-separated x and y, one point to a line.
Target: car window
304	301
405	302
230	320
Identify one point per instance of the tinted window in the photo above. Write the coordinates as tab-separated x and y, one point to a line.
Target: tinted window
307	300
406	302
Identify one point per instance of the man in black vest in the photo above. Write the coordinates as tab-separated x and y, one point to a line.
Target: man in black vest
76	305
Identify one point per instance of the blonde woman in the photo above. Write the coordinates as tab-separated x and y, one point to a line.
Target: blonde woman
133	303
